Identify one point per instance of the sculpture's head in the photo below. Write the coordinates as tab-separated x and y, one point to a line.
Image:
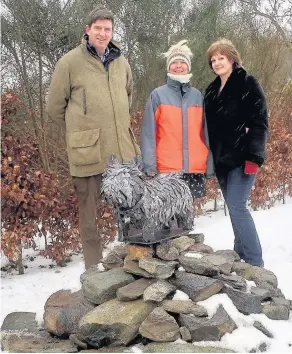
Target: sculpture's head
122	184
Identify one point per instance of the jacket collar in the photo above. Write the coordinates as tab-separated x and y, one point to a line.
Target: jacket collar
113	50
177	86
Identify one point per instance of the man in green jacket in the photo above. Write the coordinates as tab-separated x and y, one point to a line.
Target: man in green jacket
91	91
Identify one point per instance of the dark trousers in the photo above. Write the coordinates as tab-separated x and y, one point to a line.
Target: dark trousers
88	194
236	187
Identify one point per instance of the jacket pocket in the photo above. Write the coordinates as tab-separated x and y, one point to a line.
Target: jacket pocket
85	147
134	141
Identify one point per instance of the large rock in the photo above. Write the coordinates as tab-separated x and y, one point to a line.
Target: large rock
236	281
243	269
157	268
63	310
262	293
197	287
92	271
276	312
185	307
24	343
20	321
136	252
185	334
121	250
274	292
260	275
133	268
228	254
280	301
114	322
158	291
166	251
202	248
208	329
197	237
198	265
101	287
244	302
182	348
133	291
223	262
159	326
112	260
182	243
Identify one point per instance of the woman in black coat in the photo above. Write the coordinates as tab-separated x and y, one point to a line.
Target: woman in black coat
236	113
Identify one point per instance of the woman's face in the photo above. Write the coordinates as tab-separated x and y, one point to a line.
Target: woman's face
178	67
221	65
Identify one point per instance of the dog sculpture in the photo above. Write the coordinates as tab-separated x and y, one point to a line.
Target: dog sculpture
148	204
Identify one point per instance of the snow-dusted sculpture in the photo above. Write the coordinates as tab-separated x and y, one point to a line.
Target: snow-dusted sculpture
148	204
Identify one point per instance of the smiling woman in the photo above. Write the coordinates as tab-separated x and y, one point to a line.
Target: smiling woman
236	114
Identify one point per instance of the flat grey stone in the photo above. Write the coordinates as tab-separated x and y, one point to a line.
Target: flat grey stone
158	268
198	265
182	348
201	248
133	290
121	251
276	312
111	261
197	287
20	321
262	293
182	243
101	287
158	291
274	292
167	252
228	254
185	334
159	326
260	275
245	302
24	343
236	281
198	238
113	323
259	326
223	263
280	301
133	268
184	306
208	329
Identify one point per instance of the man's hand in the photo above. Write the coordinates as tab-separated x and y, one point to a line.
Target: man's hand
250	168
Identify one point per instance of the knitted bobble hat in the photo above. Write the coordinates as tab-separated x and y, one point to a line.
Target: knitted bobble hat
179	51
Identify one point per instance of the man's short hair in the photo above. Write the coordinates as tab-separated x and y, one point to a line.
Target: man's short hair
99	13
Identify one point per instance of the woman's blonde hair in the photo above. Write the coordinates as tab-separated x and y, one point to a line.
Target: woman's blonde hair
226	47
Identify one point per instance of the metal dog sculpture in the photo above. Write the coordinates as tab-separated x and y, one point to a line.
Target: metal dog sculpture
148	204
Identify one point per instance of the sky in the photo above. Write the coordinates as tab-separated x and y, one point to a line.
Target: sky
30	291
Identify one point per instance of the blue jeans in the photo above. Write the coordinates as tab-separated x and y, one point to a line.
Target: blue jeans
236	187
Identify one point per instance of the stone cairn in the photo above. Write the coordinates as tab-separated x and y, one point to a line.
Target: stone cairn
131	302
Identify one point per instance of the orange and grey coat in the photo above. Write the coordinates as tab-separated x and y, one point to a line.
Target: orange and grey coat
174	135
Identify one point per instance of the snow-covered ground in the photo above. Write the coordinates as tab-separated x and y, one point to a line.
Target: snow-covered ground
30	291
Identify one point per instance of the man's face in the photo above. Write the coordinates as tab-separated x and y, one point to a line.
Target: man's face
99	34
